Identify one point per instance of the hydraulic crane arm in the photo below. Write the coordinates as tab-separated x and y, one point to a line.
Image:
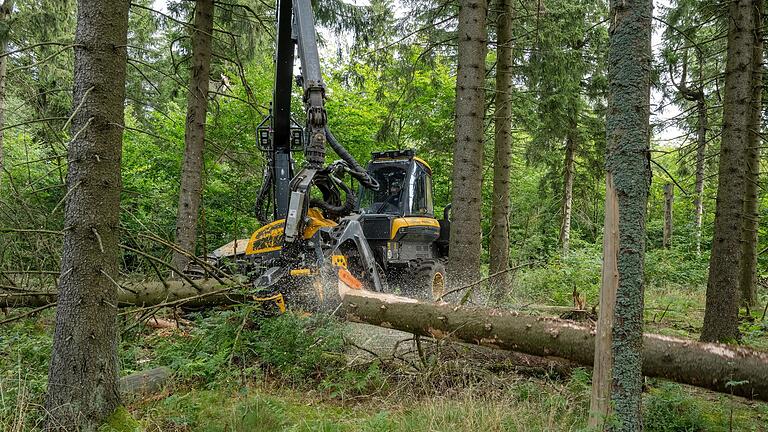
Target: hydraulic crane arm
290	192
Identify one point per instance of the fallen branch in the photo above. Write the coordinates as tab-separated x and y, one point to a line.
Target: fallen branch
27	313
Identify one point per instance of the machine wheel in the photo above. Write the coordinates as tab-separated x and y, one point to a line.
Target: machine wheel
425	281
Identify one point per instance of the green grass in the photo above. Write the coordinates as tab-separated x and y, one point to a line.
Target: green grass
527	405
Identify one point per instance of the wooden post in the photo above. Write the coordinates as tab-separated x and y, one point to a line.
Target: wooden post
600	402
669	197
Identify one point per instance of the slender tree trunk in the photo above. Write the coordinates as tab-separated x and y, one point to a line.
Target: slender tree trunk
701	109
467	177
5	14
83	374
628	176
571	144
669	197
502	159
748	281
722	306
191	190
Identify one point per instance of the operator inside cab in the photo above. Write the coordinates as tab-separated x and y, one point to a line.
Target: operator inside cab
405	188
389	198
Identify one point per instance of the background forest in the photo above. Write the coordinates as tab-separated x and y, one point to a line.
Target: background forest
391	86
390	69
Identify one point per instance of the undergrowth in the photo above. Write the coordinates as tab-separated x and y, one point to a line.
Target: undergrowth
237	370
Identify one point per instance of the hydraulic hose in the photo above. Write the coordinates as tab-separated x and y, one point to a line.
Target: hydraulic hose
332	189
355	170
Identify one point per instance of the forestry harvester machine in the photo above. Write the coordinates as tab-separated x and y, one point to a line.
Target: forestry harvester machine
317	233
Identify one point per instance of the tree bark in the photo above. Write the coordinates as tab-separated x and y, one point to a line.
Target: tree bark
83	374
5	15
706	365
191	189
701	149
467	176
602	376
628	174
206	293
502	158
722	306
571	144
669	197
748	279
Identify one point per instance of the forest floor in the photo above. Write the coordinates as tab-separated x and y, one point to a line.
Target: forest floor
236	371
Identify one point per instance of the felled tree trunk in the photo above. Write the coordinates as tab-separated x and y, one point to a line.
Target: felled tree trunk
705	365
204	293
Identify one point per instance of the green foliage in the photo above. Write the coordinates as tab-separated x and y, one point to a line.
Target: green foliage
228	343
296	347
555	282
669	409
675	267
25	350
354	381
121	421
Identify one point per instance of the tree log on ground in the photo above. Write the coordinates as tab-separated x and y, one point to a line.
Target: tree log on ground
204	293
726	369
722	368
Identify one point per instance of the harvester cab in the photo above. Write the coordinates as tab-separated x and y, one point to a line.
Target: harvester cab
399	223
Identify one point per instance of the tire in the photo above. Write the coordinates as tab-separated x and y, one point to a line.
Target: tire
425	281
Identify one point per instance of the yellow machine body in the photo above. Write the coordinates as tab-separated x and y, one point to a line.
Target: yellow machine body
413	221
269	238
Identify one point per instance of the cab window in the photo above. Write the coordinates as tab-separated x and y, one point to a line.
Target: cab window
421	192
391	194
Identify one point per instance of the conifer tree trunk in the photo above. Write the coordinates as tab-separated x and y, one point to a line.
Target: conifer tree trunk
748	281
722	305
191	190
669	197
502	158
571	144
701	149
83	374
618	357
5	14
467	176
